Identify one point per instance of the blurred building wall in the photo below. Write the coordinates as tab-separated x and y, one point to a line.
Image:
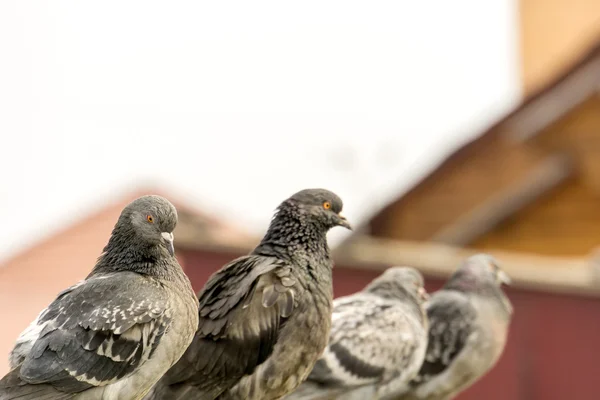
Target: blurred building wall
553	34
543	359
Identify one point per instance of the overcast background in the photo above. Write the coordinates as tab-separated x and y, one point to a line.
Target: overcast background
236	105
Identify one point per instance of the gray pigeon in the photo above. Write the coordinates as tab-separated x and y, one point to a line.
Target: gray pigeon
377	341
264	317
469	320
114	334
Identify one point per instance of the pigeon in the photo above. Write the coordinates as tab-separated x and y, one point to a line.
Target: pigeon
469	320
114	334
377	342
264	317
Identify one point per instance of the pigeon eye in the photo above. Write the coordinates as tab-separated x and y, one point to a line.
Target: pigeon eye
150	219
327	205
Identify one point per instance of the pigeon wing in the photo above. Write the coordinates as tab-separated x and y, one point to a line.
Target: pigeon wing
242	308
372	341
451	323
94	333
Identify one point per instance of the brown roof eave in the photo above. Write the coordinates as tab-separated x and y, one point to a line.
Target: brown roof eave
566	275
591	58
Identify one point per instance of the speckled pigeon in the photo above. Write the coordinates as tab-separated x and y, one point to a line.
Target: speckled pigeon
114	334
377	341
264	317
469	320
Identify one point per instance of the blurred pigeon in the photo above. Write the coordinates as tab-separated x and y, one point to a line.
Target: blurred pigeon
469	320
114	334
264	317
377	341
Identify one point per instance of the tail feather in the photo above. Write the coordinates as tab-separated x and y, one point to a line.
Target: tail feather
12	387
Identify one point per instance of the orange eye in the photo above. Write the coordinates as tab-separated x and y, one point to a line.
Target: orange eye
150	219
327	205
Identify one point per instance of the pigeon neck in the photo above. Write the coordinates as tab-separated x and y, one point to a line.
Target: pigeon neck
290	232
387	290
393	291
467	283
124	253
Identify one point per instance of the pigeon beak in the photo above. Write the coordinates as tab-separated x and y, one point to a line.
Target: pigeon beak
168	238
423	294
503	277
342	221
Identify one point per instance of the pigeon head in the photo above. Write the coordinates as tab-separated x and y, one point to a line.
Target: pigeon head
400	282
479	273
153	219
142	239
146	222
319	206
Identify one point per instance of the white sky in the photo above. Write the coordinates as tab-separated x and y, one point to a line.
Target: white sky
238	104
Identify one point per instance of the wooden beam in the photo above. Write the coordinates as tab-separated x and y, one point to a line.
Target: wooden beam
548	175
557	102
569	275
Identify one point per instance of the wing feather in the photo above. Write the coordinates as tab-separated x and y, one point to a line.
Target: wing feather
451	319
372	340
242	308
94	333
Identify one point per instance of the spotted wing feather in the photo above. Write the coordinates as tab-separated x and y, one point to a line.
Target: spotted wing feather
94	334
451	323
372	341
